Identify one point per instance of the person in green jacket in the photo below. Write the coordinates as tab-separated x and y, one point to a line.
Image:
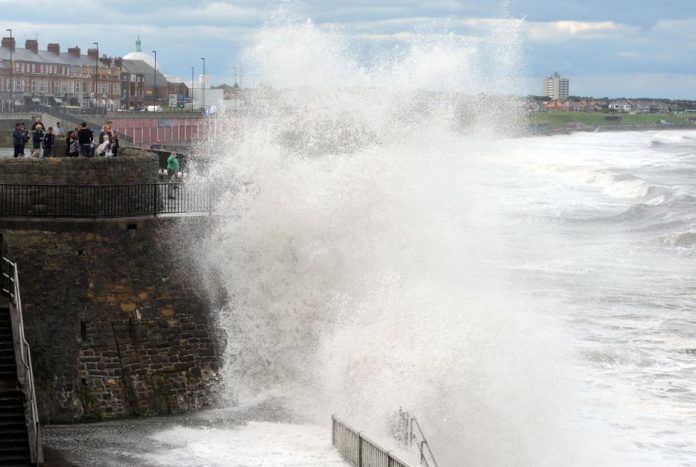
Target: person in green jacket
172	171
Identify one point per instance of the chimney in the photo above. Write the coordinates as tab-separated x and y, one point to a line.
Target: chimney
106	61
54	48
92	53
8	43
32	44
74	51
118	62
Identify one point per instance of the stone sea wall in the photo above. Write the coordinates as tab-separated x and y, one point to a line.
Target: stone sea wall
133	166
118	323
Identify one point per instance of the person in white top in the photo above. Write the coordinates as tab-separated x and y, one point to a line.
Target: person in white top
104	149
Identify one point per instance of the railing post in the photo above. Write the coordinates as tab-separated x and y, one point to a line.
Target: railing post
155	208
360	462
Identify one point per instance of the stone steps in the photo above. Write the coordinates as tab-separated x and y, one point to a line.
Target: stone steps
14	439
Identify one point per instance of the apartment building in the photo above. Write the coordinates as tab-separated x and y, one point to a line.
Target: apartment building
556	87
30	77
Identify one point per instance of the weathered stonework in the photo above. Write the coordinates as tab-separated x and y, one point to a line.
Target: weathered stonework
117	322
131	167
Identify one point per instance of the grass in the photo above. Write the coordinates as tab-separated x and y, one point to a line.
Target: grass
561	119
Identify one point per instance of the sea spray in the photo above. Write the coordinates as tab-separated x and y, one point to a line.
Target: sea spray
359	247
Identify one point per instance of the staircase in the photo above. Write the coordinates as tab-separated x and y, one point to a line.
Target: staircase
14	437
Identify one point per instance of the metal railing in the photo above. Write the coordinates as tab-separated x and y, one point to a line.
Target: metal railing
358	449
9	285
408	431
85	201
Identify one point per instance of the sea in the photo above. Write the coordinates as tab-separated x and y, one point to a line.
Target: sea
390	239
585	356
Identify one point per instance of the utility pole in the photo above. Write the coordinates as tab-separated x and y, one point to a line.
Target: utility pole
11	72
154	86
203	86
192	88
96	76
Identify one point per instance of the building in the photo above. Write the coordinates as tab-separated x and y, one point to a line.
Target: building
51	78
32	78
556	87
148	86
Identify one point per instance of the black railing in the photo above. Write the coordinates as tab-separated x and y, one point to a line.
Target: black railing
9	286
82	201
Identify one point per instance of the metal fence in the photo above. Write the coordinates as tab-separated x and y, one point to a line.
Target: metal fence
83	201
359	450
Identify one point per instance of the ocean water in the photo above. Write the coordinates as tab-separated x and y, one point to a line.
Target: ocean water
387	239
571	336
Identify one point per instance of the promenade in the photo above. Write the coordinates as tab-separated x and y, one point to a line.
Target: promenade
79	188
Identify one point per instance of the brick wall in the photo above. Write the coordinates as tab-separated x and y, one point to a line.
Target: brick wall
117	325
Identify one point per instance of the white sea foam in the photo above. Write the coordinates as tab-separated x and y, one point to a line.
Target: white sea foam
258	444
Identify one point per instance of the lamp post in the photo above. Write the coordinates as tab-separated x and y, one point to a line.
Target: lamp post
96	75
191	88
154	86
11	73
203	85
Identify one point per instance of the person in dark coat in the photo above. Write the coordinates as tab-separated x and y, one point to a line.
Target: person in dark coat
19	138
48	143
37	136
85	137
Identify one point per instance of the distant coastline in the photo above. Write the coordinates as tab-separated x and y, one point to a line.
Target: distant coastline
566	130
552	123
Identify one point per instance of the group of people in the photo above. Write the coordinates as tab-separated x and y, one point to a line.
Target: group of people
79	142
42	140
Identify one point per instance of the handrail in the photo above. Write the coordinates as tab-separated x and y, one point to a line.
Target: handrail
423	443
25	373
358	449
403	430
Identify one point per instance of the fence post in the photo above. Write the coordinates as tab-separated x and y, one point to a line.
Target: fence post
360	462
155	207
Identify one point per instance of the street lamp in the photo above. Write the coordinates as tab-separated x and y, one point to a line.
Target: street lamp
154	86
192	88
96	75
11	72
203	86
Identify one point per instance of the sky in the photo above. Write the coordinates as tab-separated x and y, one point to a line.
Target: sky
607	48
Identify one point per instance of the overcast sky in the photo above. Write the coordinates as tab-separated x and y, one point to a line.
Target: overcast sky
614	48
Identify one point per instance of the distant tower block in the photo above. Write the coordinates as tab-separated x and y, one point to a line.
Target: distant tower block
556	87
